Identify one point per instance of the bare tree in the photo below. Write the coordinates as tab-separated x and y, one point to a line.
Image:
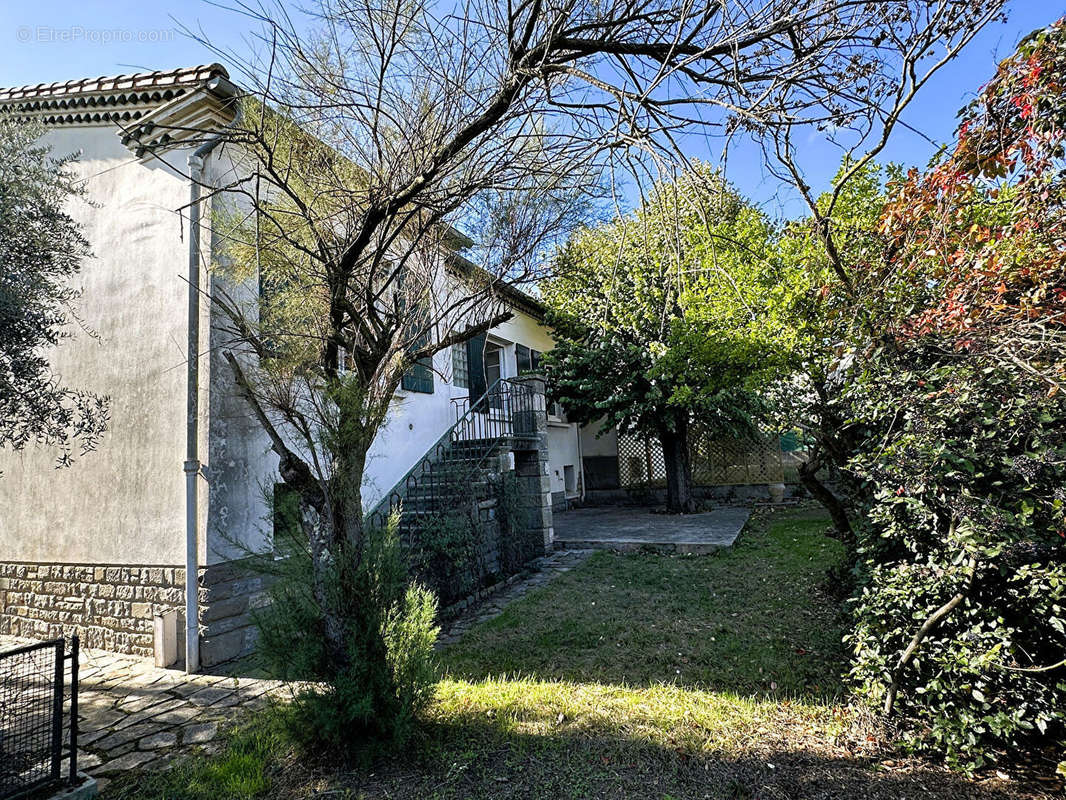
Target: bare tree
373	132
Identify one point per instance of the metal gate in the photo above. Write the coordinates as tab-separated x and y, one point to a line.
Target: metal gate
32	701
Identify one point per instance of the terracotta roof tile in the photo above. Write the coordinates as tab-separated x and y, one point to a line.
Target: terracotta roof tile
104	85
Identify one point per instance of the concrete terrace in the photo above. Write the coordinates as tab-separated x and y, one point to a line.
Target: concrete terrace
630	529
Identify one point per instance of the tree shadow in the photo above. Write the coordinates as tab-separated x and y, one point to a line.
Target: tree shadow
470	757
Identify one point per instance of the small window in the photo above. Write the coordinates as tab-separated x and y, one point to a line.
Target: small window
527	360
461	366
419	378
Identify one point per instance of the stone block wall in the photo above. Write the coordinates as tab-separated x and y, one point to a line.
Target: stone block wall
111	607
533	470
228	594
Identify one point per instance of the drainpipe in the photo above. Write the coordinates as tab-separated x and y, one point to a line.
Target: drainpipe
192	420
580	461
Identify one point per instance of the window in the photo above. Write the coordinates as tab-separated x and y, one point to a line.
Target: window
528	360
461	365
494	372
419	378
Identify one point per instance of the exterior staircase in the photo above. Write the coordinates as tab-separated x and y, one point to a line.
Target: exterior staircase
466	457
460	507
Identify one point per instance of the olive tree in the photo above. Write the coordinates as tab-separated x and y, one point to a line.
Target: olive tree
41	250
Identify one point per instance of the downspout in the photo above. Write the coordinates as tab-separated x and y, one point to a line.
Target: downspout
580	461
192	405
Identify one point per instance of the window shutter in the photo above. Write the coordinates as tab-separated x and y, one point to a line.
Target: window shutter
419	378
475	351
523	357
285	513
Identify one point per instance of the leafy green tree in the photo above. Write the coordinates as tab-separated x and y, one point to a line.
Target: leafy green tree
41	250
830	318
671	317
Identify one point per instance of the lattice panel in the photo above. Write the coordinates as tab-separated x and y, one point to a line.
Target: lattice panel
640	461
715	462
728	462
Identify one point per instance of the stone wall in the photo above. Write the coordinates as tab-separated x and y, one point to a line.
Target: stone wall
112	607
533	471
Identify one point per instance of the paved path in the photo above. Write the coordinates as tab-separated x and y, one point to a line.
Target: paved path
132	715
631	529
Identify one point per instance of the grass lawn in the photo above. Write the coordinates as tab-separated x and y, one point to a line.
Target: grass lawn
633	676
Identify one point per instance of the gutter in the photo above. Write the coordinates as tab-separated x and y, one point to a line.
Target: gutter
192	465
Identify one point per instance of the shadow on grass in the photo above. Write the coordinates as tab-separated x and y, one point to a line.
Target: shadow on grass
472	756
751	620
472	759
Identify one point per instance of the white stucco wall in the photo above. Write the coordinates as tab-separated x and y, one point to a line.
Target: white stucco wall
124	503
239	464
593	443
563	451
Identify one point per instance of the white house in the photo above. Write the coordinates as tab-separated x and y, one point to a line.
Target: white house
100	548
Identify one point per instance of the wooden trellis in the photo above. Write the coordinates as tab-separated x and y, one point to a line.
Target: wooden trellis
715	461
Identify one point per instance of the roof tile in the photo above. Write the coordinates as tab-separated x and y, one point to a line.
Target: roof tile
185	76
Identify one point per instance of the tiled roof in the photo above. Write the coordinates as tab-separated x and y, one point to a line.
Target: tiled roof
116	84
118	99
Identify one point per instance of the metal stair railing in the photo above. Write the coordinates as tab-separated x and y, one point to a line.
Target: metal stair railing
481	427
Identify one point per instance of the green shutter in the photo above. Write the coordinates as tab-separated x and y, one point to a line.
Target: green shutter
288	532
475	351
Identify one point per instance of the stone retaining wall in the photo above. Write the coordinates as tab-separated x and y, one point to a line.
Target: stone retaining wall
111	607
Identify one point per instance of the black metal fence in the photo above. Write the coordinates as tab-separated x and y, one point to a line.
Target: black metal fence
32	700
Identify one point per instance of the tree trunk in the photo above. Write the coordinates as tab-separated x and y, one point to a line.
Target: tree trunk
820	492
318	532
678	469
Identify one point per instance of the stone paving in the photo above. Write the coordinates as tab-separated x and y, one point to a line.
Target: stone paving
630	529
135	716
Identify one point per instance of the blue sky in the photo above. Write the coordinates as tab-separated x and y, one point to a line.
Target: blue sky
55	40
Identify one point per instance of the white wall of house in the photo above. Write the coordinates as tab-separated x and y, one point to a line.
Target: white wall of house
124	503
594	444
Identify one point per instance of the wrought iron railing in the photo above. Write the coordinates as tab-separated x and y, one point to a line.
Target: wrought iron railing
504	414
31	717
